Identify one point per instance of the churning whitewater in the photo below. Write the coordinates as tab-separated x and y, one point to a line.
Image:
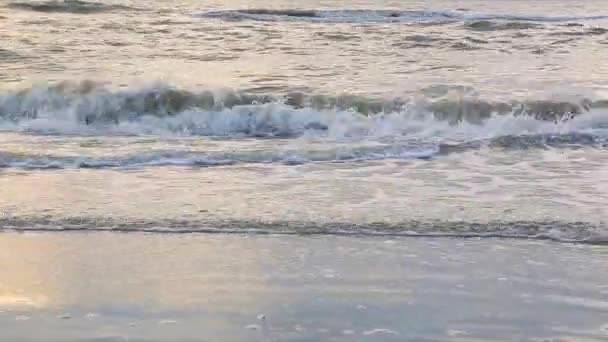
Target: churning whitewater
341	128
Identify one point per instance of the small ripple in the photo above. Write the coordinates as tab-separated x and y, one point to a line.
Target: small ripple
9	56
68	6
487	25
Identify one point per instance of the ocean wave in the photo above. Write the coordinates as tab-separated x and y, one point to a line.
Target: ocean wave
67	6
538	18
561	231
200	159
488	25
88	107
334	16
326	153
314	128
362	16
591	31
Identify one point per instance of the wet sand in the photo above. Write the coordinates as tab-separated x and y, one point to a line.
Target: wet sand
201	287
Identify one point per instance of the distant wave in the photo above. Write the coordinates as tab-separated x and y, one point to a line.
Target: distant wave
67	6
536	18
335	16
488	25
384	16
10	56
562	231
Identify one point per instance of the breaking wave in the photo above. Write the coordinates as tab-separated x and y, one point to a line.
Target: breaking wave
88	108
347	128
562	231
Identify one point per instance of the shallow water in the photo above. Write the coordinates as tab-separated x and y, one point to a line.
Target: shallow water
529	194
368	47
116	287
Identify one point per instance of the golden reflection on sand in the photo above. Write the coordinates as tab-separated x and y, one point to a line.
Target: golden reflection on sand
102	270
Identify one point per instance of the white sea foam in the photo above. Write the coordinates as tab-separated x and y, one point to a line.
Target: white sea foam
404	129
163	110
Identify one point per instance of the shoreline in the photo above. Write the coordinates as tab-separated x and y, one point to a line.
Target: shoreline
156	287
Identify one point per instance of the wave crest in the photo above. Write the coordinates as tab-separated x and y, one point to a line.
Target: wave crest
334	16
433	117
368	16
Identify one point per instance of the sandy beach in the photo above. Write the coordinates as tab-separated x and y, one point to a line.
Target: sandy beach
161	287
